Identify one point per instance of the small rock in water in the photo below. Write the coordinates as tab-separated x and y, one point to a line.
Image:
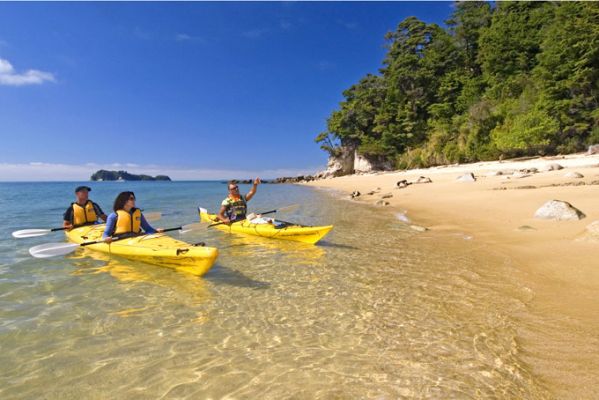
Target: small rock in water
559	210
419	228
494	173
402	217
574	175
382	203
387	196
593	228
469	177
355	194
526	228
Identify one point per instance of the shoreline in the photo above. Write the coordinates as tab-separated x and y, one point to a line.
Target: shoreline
557	261
498	211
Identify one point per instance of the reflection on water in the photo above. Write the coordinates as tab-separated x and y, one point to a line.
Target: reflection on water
375	311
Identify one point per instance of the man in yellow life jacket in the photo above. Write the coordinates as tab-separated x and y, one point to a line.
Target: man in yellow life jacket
83	211
234	207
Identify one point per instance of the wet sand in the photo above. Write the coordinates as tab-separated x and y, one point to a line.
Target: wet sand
558	260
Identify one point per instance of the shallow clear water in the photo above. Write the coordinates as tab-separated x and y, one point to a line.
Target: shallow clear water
376	310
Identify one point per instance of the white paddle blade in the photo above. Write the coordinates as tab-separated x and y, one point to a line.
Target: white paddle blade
52	249
250	216
26	233
184	231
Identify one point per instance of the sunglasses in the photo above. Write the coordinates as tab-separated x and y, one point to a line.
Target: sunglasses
234	188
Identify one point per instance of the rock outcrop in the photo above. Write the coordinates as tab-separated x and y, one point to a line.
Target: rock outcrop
370	164
593	149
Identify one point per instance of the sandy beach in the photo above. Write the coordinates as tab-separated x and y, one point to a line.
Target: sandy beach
498	211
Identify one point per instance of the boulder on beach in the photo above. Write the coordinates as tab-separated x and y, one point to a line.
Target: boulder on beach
552	167
559	210
355	194
520	174
469	177
424	179
574	175
381	203
402	184
387	196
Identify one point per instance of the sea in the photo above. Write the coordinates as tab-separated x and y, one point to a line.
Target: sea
376	310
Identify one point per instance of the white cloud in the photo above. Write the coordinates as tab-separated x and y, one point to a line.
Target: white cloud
9	77
39	171
325	65
347	25
255	33
184	37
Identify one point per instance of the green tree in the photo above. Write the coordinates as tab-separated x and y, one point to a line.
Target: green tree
568	72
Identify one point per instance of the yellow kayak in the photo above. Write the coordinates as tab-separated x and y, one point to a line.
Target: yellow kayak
158	249
285	231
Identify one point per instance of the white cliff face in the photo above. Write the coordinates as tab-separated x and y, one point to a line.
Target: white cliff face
340	165
349	161
361	164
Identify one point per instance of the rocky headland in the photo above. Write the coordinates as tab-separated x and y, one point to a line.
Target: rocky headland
104	175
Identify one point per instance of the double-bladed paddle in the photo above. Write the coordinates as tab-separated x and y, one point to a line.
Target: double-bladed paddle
282	209
60	249
27	233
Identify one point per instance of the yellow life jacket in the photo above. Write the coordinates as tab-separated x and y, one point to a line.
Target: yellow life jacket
235	210
127	222
84	215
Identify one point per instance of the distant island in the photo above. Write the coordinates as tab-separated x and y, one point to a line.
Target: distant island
103	175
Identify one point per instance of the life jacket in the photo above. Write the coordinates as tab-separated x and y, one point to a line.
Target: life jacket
235	209
127	222
84	215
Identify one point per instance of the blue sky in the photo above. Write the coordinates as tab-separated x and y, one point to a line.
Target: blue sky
194	90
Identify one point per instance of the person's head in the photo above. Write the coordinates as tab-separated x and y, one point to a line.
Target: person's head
124	201
233	188
82	193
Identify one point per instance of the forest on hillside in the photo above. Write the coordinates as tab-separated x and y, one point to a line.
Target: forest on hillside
502	79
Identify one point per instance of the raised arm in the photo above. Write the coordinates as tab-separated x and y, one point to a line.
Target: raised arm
252	191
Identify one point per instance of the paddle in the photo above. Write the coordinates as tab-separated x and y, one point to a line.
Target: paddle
27	233
60	249
282	209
